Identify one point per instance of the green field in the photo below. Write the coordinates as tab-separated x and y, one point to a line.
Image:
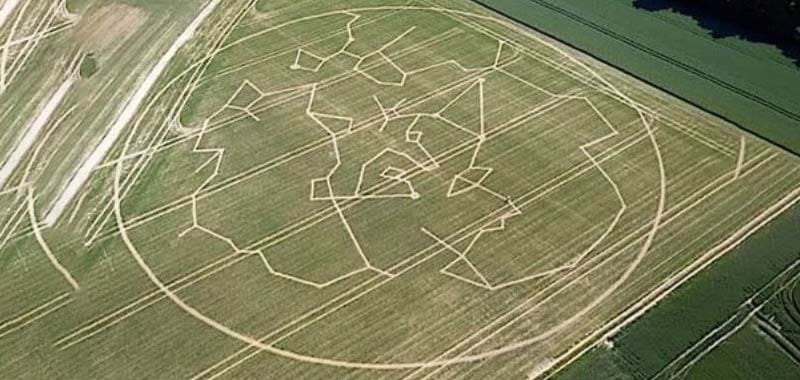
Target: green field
702	316
769	334
371	189
751	84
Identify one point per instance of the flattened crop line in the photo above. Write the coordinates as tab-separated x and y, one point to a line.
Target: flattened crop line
147	300
13	221
18	322
128	113
197	69
640	306
620	246
7	74
320	312
581	78
790	271
103	323
35	128
258	169
299	152
121	314
327	83
38	35
409	263
7	9
387	184
293	49
298	94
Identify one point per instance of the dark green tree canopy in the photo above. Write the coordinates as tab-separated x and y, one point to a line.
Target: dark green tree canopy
779	18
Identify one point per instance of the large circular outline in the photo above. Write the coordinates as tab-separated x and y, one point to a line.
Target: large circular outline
255	343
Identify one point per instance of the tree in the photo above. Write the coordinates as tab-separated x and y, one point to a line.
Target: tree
778	18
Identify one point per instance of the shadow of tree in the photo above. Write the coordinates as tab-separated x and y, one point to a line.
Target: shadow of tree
721	28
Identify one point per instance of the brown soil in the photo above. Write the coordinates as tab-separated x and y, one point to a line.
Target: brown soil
108	27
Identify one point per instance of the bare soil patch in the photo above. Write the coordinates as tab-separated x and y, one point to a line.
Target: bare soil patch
108	27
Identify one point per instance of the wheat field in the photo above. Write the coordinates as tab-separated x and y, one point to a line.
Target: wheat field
377	189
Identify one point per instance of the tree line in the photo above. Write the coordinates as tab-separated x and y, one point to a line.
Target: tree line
778	18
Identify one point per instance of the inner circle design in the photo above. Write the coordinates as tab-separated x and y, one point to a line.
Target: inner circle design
323	189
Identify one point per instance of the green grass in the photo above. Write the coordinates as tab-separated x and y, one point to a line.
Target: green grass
764	360
89	66
77	5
